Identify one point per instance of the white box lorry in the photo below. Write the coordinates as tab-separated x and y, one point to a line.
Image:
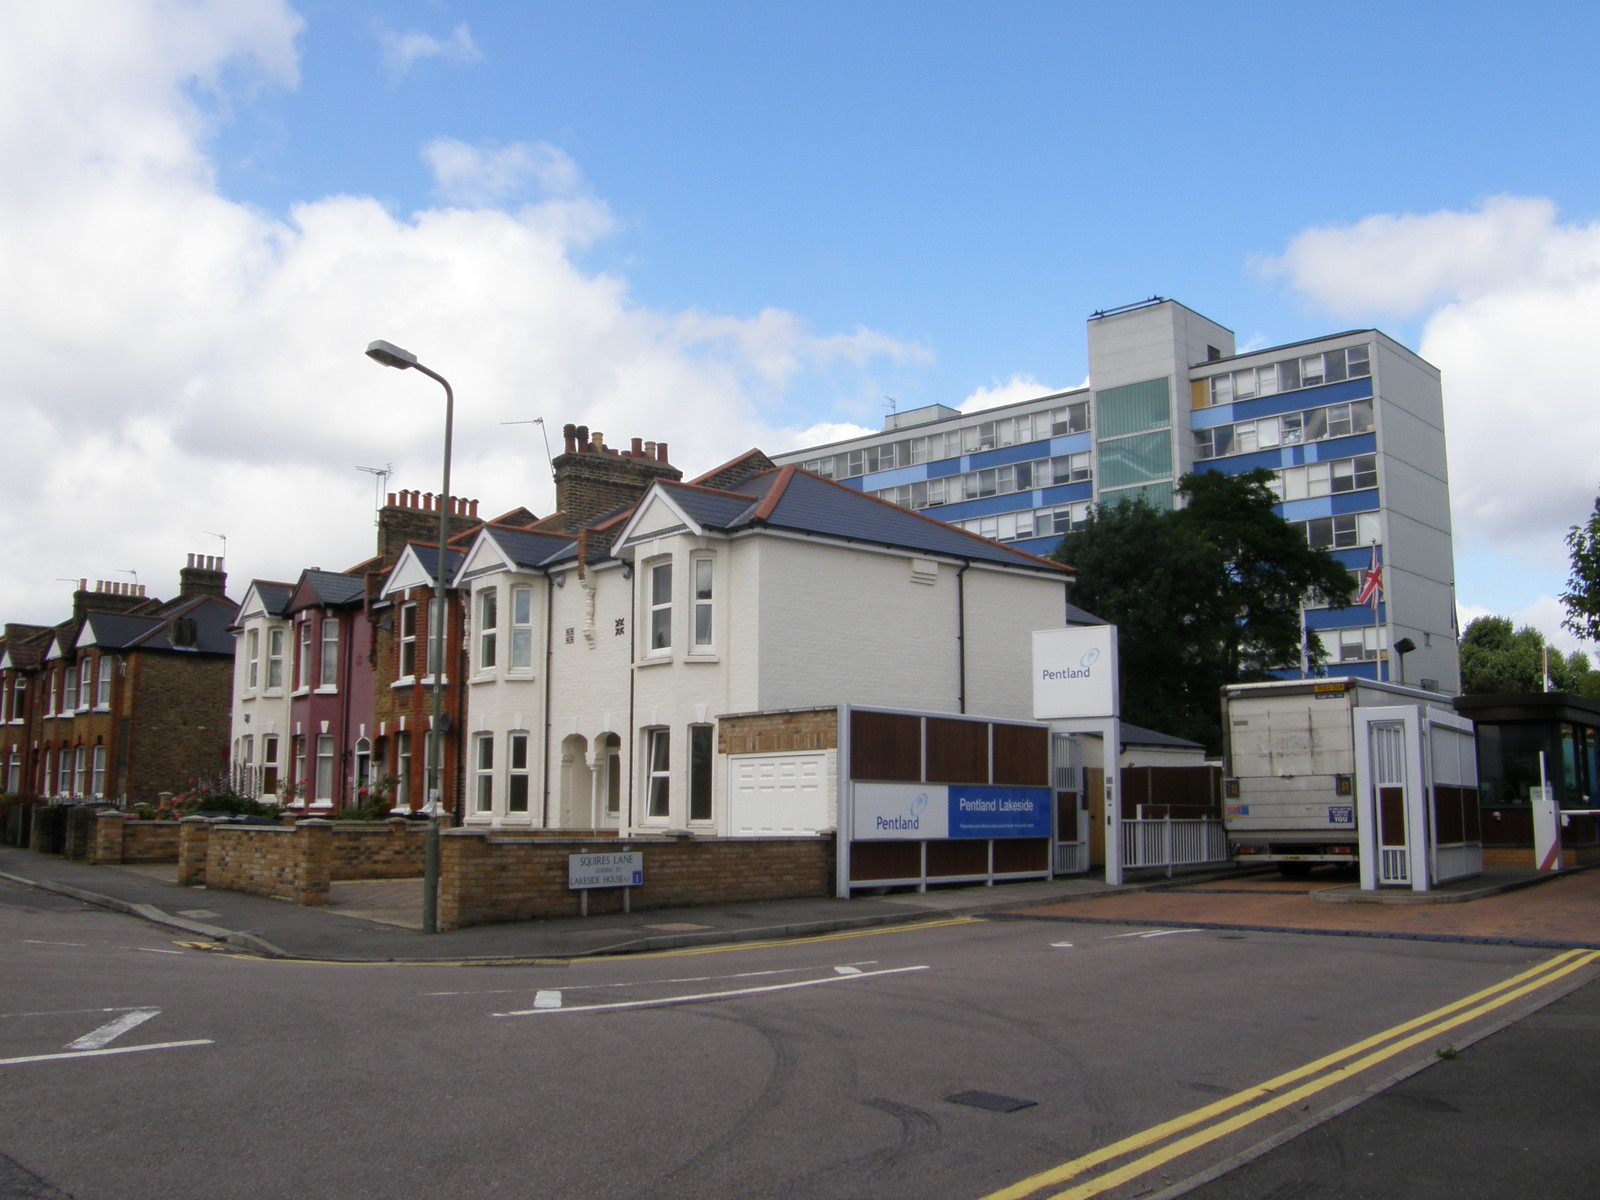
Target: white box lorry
1289	782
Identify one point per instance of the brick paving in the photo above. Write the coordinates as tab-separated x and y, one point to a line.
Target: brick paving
1564	911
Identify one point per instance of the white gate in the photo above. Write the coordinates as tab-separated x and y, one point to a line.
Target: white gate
1071	854
1388	792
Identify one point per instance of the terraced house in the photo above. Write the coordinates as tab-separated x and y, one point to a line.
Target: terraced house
128	697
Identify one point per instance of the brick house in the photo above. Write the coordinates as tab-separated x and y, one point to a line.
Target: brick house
130	696
22	651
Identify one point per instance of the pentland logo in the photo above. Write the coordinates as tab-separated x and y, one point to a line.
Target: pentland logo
1082	671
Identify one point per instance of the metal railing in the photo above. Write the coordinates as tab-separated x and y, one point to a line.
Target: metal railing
1164	842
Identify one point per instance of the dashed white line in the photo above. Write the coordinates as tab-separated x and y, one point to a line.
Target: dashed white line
667	1001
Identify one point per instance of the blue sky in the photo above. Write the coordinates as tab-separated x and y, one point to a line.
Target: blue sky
724	225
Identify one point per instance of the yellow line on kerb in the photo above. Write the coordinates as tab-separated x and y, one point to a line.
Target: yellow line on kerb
1266	1098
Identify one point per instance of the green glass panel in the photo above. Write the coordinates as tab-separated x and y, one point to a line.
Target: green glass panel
1127	461
1133	408
1157	495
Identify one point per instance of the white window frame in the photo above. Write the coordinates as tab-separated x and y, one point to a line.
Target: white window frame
406	641
85	667
252	659
80	770
323	785
97	773
328	658
521	630
703	604
275	660
658	608
269	764
658	774
483	773
519	775
488	628
104	665
302	655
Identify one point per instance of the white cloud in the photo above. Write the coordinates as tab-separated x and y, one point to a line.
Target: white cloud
472	175
1510	300
179	363
1013	390
401	51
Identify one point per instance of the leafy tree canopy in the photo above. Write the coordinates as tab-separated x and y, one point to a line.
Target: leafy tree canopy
1582	597
1203	596
1497	658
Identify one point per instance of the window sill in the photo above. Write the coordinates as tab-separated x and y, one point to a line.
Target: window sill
521	674
328	691
272	694
298	692
322	804
703	658
659	660
407	681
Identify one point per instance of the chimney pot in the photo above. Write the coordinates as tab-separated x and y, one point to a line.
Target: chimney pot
583	438
597	440
638	447
472	510
661	452
649	449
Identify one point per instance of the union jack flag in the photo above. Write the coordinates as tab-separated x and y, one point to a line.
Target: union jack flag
1372	582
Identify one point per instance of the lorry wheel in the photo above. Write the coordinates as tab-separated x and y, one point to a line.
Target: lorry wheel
1295	870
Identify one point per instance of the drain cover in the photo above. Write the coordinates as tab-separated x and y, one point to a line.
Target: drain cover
992	1101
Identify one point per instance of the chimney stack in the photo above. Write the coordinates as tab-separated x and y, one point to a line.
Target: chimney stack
204	576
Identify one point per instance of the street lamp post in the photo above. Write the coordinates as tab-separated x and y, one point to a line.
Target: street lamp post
391	355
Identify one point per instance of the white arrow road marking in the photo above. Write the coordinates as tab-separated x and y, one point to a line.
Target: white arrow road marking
112	1029
547	999
1061	945
848	970
6	1062
670	1000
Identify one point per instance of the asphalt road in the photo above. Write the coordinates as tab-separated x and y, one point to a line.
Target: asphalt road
132	1066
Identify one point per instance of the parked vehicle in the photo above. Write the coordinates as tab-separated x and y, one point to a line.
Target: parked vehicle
1289	767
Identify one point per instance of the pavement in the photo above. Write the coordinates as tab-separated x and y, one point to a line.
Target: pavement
380	921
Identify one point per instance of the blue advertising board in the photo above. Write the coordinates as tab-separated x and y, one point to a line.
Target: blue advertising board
931	812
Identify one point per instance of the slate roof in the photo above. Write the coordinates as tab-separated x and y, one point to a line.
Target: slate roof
796	500
332	587
274	596
533	550
212	616
1138	735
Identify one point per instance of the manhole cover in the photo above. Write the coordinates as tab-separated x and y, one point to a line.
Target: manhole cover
992	1101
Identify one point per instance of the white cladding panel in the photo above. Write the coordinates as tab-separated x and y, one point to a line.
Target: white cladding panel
773	795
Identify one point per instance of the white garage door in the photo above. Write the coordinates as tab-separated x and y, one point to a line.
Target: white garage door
774	794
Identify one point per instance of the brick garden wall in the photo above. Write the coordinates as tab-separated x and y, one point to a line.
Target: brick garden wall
484	877
295	862
119	840
380	850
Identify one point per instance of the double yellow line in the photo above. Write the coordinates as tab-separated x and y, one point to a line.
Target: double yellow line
1283	1091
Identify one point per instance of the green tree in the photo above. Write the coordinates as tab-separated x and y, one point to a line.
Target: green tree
1582	597
1204	595
1497	658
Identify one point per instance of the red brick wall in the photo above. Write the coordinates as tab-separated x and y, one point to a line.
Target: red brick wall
485	877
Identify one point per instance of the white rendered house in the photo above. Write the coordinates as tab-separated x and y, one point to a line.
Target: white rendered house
608	668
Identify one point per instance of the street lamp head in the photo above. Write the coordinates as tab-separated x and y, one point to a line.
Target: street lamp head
391	355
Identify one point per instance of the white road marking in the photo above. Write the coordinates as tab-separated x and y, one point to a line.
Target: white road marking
37	942
848	970
151	950
671	1000
112	1030
590	987
1061	945
1150	933
6	1062
547	999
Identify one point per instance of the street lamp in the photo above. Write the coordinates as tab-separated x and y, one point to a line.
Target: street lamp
391	355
